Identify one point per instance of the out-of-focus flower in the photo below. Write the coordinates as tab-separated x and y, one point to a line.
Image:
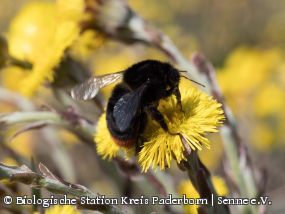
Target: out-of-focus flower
201	115
61	210
262	136
186	188
41	33
245	69
66	31
269	99
31	30
28	33
253	83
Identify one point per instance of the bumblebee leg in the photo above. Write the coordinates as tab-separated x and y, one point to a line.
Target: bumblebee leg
177	94
156	115
175	90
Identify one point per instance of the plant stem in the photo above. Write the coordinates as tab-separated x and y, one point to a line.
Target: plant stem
51	183
200	177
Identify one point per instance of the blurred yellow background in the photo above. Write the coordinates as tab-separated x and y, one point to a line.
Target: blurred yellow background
245	41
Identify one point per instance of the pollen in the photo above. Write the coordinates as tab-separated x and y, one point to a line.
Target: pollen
43	40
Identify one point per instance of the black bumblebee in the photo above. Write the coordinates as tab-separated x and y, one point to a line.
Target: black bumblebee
143	85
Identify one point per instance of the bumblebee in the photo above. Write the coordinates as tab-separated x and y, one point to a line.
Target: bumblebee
142	86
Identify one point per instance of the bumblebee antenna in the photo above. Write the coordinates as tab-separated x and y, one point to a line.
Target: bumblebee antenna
191	79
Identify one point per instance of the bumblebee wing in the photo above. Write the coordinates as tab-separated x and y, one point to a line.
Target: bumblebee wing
127	108
90	88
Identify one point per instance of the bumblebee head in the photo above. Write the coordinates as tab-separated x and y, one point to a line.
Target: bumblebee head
173	76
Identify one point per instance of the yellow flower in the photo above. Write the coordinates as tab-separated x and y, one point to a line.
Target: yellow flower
248	67
40	34
262	136
269	100
245	70
201	115
188	189
66	32
61	210
253	84
31	30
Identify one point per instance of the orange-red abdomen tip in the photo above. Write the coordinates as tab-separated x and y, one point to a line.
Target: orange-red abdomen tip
124	143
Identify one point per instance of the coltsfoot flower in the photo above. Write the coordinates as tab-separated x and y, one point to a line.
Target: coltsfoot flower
40	34
186	187
201	114
66	31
